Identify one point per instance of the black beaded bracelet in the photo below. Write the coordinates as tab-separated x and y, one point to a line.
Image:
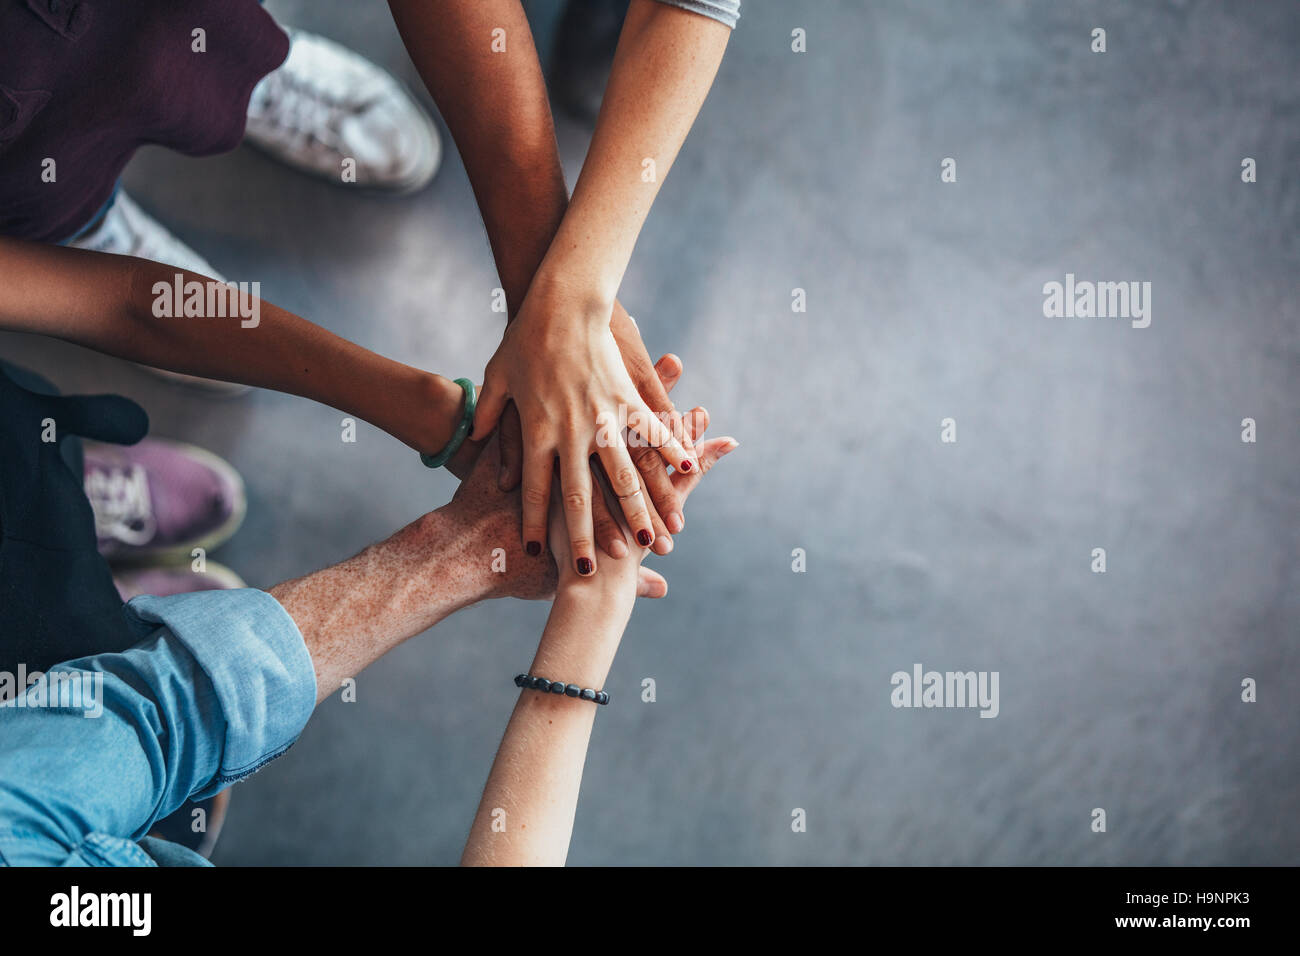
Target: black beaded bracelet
560	687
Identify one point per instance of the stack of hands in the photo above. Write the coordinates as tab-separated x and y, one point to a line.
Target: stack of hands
501	513
476	547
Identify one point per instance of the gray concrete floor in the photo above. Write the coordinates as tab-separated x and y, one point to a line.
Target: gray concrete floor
821	171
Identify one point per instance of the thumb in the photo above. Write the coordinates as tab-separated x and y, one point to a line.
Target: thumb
650	584
491	402
511	434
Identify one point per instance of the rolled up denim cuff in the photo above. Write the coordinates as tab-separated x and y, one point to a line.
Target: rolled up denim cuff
260	669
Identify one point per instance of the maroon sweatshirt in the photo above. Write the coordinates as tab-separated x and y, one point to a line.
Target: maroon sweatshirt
85	83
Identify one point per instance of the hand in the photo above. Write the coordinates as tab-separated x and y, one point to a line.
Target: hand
562	366
653	382
489	518
654	477
619	572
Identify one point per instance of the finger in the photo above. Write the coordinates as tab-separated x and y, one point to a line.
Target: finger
647	426
512	448
696	422
663	540
608	533
491	403
575	487
669	370
681	431
625	482
538	464
650	584
663	491
711	452
656	484
637	362
666	509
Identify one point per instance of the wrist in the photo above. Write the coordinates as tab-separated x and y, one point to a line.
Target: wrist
582	637
609	593
430	412
564	294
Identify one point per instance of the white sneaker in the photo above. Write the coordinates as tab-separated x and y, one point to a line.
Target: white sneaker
326	104
127	230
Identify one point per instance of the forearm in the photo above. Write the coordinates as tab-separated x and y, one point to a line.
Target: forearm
111	304
498	111
494	102
355	612
289	354
663	69
537	772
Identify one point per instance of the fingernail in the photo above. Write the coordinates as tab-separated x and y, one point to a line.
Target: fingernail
585	566
675	523
663	544
645	538
617	549
685	466
534	548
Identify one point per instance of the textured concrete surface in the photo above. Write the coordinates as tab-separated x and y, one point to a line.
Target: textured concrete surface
821	171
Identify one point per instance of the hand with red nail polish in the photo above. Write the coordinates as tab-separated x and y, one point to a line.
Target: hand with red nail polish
488	533
616	575
561	365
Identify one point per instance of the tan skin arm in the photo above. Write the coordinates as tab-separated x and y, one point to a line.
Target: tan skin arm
106	303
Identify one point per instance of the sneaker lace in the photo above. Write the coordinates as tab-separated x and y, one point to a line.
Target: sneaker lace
121	503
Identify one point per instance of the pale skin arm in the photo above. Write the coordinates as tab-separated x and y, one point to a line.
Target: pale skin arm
666	61
559	362
537	773
106	303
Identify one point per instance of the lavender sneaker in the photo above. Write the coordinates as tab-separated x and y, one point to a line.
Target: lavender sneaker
161	499
165	581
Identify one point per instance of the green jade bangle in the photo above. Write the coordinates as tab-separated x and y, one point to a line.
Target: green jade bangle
458	436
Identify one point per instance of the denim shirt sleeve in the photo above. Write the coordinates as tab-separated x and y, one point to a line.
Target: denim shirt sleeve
222	684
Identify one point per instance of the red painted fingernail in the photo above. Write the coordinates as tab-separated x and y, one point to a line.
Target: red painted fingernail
534	548
585	566
645	537
686	466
